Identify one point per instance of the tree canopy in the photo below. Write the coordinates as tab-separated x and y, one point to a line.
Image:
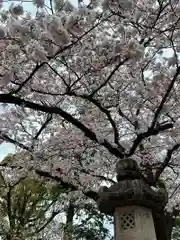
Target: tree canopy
81	87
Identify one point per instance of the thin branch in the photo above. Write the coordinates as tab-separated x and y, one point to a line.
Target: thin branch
54	214
79	159
164	99
166	161
79	38
150	132
51	6
174	191
109	77
49	118
126	117
38	66
46	93
97	176
56	72
8	139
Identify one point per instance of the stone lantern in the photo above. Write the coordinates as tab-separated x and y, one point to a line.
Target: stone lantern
132	202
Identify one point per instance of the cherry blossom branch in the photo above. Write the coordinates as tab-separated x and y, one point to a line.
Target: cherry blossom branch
38	66
110	76
150	132
47	93
113	124
165	162
135	124
49	118
69	46
8	139
88	172
69	186
55	71
174	191
6	98
164	99
51	6
97	176
161	9
79	38
106	112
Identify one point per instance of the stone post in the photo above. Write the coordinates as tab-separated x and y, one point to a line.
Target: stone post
132	202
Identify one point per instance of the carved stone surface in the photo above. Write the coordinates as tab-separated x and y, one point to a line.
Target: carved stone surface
127	169
134	223
130	190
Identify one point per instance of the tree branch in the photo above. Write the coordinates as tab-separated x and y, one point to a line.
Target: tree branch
8	139
6	98
150	132
38	66
79	159
166	161
69	186
109	77
106	112
49	118
53	215
164	99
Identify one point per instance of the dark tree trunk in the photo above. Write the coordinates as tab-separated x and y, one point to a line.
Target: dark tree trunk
163	225
9	237
69	222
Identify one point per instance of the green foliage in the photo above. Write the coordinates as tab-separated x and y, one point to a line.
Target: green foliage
91	225
26	207
176	233
176	229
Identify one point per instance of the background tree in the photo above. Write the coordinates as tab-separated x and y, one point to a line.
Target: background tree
176	230
27	207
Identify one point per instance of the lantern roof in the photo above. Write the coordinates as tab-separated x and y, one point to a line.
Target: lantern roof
130	189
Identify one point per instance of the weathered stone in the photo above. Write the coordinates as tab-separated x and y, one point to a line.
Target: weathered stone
131	191
134	223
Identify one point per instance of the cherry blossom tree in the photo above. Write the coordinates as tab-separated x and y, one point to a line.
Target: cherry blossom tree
83	87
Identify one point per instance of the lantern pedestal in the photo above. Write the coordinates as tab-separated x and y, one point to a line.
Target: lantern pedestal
134	223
